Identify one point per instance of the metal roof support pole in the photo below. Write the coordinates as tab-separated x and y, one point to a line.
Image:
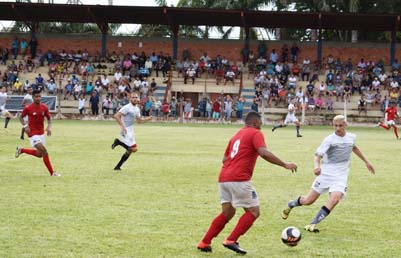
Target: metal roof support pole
104	44
175	41
394	40
247	30
319	40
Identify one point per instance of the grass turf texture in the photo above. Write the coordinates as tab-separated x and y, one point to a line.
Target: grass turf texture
162	202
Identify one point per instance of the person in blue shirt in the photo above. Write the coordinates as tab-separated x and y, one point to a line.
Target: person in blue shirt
240	107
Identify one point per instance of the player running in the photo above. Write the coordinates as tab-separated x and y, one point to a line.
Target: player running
126	118
235	187
290	118
3	111
36	113
332	173
391	115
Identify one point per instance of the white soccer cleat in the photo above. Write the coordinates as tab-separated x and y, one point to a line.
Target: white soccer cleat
55	174
18	152
312	228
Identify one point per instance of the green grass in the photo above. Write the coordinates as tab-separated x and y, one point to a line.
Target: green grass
162	202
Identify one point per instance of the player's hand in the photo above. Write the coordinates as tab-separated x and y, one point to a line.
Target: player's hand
291	166
370	168
49	131
124	130
317	171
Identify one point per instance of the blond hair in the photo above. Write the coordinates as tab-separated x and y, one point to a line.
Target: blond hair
339	118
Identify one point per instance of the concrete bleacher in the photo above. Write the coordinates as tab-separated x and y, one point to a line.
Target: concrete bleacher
207	84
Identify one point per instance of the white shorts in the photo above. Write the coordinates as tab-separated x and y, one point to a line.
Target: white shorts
35	139
323	185
390	122
239	194
3	110
290	118
129	137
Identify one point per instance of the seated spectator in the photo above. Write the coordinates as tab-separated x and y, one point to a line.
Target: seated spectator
347	93
331	90
77	91
362	105
230	76
329	104
310	89
311	103
319	105
17	87
339	92
190	74
51	87
378	97
393	95
295	69
370	98
292	82
68	90
322	89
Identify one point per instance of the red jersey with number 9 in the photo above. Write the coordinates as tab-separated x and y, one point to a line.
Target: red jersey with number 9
241	154
36	116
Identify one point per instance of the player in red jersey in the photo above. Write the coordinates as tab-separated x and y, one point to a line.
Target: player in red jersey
391	115
235	187
36	113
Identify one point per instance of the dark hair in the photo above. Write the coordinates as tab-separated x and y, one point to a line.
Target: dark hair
35	92
252	115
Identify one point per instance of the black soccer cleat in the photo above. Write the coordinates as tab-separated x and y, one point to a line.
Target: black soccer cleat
298	135
234	246
274	128
115	143
207	248
117	169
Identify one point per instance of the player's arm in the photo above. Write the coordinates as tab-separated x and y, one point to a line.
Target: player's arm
49	122
270	157
359	153
316	163
118	117
143	119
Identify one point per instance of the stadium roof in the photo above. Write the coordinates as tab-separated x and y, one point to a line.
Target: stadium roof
103	14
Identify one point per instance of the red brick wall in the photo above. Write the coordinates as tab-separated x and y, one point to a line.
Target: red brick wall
229	48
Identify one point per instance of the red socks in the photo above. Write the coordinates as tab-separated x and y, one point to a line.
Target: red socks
395	131
215	228
244	223
46	160
32	152
384	126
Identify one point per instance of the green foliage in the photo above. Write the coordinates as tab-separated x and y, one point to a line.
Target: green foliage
164	199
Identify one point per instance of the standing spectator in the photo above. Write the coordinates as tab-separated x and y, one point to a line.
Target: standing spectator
240	107
294	52
33	45
332	175
187	108
165	109
216	109
15	47
173	107
81	104
235	187
157	104
23	46
228	107
208	109
94	103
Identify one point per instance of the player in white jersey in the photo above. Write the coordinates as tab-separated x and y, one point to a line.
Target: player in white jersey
332	162
290	118
25	102
126	117
3	111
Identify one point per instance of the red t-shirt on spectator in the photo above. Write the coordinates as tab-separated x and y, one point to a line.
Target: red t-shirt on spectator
241	154
36	117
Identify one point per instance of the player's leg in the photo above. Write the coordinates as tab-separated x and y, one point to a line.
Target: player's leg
42	152
7	120
395	129
219	222
279	126
383	126
244	195
117	142
325	210
297	126
217	225
244	224
125	157
309	199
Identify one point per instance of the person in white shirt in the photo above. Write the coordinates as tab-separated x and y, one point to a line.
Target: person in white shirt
3	111
290	118
126	117
117	76
81	104
332	164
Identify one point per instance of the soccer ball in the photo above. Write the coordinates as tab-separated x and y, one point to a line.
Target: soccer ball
291	236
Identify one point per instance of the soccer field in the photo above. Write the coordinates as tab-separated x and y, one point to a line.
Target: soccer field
163	200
